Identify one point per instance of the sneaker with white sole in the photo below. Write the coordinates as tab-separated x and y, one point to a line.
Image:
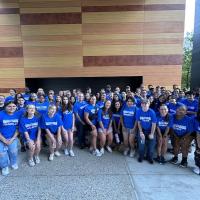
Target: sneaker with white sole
31	163
132	152
102	151
71	153
96	153
37	159
51	157
109	149
15	166
5	171
196	170
57	153
66	152
126	151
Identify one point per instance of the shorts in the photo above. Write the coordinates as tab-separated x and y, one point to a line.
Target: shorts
109	130
128	130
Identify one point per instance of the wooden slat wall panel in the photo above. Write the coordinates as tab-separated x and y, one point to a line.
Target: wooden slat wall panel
83	38
51	33
11	48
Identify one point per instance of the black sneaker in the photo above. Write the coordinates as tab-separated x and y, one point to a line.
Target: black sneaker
150	161
163	161
183	163
174	160
158	159
140	159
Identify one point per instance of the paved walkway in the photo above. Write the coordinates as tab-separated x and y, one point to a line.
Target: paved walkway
111	177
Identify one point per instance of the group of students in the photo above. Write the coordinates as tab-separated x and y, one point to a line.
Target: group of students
140	121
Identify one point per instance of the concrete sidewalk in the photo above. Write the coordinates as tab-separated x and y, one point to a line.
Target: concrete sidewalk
86	177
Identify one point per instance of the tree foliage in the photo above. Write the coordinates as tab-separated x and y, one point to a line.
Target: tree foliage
187	60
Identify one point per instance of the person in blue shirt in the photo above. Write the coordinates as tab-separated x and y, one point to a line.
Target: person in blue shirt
78	108
29	127
181	97
9	120
181	131
52	124
196	170
26	94
11	97
102	100
164	123
90	116
146	118
172	105
32	100
41	105
128	121
105	130
68	119
21	109
191	103
116	110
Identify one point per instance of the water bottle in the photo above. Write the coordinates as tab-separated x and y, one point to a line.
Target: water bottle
117	138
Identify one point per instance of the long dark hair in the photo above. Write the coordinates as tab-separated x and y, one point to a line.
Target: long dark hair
167	117
68	106
114	110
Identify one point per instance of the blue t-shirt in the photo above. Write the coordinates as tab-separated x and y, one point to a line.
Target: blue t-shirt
52	123
42	108
129	116
67	118
173	107
93	112
26	96
100	104
29	125
163	122
197	125
181	100
21	111
31	103
146	119
104	118
191	106
183	126
8	124
79	108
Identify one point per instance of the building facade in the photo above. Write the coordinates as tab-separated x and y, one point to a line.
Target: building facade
91	38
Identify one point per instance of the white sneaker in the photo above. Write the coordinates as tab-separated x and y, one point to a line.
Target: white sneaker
109	149
66	152
15	166
57	153
51	157
196	170
96	153
126	151
132	152
102	151
71	153
5	171
37	159
31	163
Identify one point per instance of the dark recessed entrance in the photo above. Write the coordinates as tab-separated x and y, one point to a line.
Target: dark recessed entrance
96	83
